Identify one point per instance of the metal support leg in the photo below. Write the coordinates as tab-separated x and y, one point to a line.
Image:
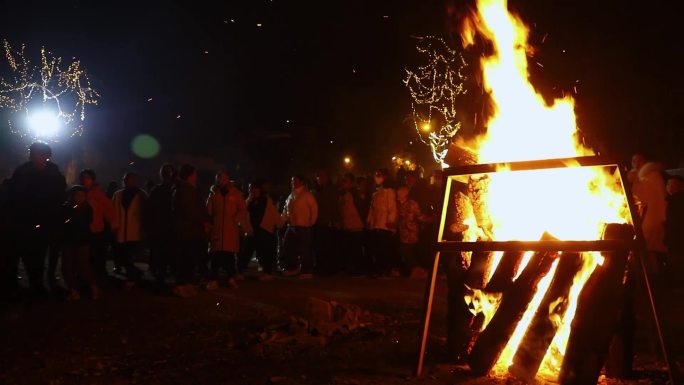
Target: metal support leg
656	319
429	297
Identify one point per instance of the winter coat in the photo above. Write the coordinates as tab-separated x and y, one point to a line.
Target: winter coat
408	216
159	213
129	215
301	208
189	214
35	198
228	212
327	201
383	210
350	214
102	208
77	224
649	190
674	224
263	214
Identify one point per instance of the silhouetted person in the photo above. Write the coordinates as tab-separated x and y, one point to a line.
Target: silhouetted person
648	187
159	224
36	193
382	223
352	224
112	187
408	218
228	214
300	213
674	228
129	205
191	224
325	237
104	220
78	217
264	220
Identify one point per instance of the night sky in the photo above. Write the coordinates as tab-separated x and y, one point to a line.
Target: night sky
266	101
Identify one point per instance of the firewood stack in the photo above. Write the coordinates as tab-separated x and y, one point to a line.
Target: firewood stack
599	314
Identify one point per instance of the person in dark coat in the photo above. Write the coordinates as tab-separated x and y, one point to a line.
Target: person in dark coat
76	239
158	222
36	192
352	225
264	219
674	227
325	234
7	280
191	224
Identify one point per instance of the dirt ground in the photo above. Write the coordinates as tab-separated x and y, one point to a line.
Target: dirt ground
256	334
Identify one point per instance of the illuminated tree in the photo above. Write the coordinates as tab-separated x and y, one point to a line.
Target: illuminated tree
435	88
55	86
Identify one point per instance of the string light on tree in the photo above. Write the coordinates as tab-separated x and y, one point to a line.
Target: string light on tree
435	88
44	98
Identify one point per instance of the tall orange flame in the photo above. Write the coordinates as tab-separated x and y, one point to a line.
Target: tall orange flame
573	203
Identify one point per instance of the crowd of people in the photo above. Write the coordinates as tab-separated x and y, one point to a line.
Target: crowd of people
195	240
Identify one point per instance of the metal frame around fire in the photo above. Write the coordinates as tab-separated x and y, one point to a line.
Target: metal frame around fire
636	246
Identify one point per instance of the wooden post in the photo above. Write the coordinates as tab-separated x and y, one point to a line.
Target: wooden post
542	329
597	315
514	302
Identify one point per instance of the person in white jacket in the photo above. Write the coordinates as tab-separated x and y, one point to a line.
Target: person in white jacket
382	223
300	213
129	205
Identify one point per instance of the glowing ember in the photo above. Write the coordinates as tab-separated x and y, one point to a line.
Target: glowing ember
573	203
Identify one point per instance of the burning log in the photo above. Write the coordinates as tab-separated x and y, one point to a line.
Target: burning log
597	315
459	317
621	352
546	321
460	155
504	273
514	302
477	271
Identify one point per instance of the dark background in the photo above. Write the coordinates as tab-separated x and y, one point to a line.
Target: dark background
267	101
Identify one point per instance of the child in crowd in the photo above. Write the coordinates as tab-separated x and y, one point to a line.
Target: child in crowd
409	215
76	244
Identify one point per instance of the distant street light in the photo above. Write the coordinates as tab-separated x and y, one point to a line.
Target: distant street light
426	127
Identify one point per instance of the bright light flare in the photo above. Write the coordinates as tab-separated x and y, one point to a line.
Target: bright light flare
44	124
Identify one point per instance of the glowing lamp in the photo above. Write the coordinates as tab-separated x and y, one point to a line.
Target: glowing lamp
426	127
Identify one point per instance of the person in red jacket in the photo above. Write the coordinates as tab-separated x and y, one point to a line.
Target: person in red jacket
104	218
227	210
